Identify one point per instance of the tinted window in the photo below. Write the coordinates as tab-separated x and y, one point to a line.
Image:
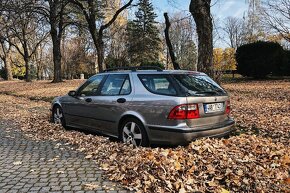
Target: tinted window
90	88
116	84
158	84
198	85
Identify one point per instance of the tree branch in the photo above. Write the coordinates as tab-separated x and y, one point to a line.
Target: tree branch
103	27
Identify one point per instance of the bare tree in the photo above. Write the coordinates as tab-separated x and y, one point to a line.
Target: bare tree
183	37
5	51
233	27
90	13
276	16
169	44
56	15
200	10
24	32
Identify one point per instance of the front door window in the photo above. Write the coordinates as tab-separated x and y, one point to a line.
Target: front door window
91	87
116	84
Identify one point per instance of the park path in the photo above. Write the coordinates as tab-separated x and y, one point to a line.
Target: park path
46	166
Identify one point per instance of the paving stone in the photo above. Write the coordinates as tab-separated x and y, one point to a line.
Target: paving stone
44	168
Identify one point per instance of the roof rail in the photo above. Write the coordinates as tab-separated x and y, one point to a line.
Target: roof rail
135	68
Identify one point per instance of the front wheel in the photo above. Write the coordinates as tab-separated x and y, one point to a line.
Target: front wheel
57	116
133	132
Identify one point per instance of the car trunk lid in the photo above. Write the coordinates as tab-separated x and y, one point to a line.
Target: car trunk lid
212	110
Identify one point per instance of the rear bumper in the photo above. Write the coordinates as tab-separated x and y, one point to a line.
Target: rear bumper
184	135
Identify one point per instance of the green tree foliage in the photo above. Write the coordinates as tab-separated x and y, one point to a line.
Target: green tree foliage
260	59
113	62
144	44
153	64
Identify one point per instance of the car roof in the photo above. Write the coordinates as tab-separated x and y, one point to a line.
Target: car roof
155	72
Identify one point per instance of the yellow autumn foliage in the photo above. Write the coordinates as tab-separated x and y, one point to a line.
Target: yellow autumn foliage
224	59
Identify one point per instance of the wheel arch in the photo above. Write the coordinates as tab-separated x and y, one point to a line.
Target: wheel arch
55	105
132	115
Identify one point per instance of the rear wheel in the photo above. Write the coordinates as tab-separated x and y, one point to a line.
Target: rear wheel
133	132
57	116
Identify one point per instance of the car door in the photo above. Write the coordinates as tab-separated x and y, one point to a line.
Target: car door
79	110
111	103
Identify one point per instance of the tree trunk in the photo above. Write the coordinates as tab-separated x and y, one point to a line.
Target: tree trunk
200	10
27	70
101	52
56	57
8	68
98	35
168	43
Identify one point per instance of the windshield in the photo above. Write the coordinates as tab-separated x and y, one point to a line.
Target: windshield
198	85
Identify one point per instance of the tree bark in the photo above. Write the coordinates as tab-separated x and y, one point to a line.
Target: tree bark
7	65
26	60
101	54
8	70
168	43
200	10
57	77
56	30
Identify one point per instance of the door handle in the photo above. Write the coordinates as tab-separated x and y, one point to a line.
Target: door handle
88	100
121	100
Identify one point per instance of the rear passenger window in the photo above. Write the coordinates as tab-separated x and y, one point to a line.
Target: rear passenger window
116	84
158	84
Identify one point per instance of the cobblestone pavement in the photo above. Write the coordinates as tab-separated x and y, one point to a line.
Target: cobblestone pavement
46	166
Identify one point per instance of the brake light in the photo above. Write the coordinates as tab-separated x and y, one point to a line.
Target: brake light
186	111
228	107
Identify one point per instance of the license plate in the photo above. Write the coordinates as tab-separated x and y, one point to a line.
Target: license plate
213	107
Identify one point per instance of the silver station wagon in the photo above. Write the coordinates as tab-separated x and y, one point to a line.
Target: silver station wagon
143	107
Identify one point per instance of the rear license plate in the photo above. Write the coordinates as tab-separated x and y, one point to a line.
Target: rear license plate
213	107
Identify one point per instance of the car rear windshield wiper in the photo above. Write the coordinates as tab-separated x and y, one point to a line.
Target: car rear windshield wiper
209	92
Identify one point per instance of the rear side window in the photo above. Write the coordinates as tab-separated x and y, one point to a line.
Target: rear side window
116	84
198	84
158	84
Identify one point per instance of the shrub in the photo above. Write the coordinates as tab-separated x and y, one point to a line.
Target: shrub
285	67
259	59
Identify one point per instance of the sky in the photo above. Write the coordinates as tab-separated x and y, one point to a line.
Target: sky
220	9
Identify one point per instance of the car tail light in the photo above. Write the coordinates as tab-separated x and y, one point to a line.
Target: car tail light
186	111
228	107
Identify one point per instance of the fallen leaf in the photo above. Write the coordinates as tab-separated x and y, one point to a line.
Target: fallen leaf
224	191
17	163
89	156
91	186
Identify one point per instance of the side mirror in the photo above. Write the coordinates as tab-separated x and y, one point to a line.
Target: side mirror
72	93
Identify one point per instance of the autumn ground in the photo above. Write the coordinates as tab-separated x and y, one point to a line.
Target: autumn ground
255	159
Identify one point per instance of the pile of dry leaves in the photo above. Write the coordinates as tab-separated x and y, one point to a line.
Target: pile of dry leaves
255	162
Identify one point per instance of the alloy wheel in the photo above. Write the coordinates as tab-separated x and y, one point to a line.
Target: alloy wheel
58	116
132	134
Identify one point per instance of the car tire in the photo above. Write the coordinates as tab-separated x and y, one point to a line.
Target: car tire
58	116
133	132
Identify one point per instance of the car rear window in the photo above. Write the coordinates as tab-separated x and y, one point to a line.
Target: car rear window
158	84
198	84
